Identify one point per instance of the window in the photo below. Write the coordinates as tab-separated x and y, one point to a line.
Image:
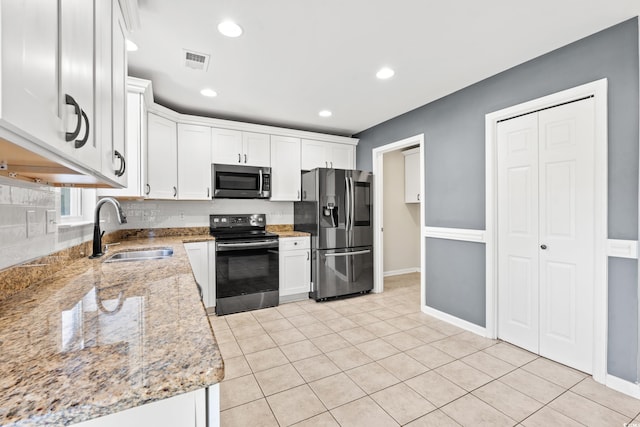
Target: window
76	205
71	204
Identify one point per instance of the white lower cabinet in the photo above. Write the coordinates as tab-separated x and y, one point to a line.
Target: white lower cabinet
187	409
295	268
202	257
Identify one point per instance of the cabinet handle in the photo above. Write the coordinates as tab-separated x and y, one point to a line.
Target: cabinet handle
418	196
208	192
70	136
298	195
123	163
331	165
148	189
245	158
307	255
80	142
175	191
326	164
239	158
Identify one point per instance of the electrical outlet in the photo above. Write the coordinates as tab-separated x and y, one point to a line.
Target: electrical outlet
51	221
31	223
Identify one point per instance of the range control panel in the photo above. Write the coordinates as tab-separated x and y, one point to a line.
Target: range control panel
240	221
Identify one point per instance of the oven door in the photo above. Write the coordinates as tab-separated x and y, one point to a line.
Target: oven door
247	276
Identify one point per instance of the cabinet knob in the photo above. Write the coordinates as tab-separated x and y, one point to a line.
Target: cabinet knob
543	247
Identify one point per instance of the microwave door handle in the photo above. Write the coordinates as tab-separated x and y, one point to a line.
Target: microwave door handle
260	179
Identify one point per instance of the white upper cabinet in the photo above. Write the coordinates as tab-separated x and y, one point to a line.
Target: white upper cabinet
412	175
226	146
29	91
320	154
194	164
234	147
162	164
77	80
111	89
285	168
256	149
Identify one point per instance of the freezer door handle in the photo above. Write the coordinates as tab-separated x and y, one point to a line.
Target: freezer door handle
341	254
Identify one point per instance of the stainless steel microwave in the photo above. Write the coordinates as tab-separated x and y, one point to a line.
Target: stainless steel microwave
240	182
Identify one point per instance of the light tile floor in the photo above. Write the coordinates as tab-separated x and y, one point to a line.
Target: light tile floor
376	360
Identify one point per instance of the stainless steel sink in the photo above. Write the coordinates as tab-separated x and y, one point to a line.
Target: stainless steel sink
141	255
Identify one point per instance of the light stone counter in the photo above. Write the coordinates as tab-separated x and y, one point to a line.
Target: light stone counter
97	338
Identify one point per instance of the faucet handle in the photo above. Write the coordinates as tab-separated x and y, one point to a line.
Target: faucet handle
106	246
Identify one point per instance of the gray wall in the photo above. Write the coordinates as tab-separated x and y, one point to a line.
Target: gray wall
455	159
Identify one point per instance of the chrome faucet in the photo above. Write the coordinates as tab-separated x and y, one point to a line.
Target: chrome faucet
97	235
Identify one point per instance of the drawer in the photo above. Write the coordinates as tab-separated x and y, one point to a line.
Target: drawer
294	243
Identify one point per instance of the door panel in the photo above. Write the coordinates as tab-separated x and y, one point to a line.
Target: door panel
518	231
343	272
546	232
567	229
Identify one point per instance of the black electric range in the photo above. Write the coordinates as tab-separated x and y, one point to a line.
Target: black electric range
247	263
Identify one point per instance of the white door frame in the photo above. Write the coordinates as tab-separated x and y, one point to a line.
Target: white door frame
378	200
598	89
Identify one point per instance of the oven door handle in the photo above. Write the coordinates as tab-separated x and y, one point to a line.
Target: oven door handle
245	245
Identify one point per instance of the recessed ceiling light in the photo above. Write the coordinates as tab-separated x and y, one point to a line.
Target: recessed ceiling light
209	92
230	29
325	113
385	73
131	46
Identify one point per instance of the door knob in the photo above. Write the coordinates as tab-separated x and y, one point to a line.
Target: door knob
543	247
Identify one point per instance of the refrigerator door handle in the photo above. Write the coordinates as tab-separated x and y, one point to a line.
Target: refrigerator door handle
341	254
353	202
347	203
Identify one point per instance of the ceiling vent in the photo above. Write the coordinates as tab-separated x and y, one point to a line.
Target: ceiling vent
196	61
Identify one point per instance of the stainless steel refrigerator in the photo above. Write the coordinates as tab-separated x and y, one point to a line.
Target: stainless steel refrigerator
336	208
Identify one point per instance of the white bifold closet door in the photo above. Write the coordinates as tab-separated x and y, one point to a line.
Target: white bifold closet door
546	210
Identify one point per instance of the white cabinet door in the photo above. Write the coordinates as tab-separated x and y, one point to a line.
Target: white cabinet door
342	156
295	267
29	37
77	80
194	162
111	90
313	155
188	409
256	149
285	168
412	175
162	162
226	146
198	253
135	150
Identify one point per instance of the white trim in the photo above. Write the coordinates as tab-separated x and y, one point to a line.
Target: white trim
622	248
402	271
623	386
378	200
599	90
247	127
455	321
463	234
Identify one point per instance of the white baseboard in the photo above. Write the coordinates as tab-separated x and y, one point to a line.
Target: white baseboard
623	386
402	271
455	321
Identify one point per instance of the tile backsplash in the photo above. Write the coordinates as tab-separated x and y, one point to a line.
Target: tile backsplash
20	243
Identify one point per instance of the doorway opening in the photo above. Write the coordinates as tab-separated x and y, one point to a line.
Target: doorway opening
399	214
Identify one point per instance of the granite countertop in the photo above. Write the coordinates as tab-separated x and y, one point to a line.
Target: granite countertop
98	338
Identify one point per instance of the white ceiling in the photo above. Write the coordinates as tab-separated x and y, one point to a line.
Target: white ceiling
297	57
